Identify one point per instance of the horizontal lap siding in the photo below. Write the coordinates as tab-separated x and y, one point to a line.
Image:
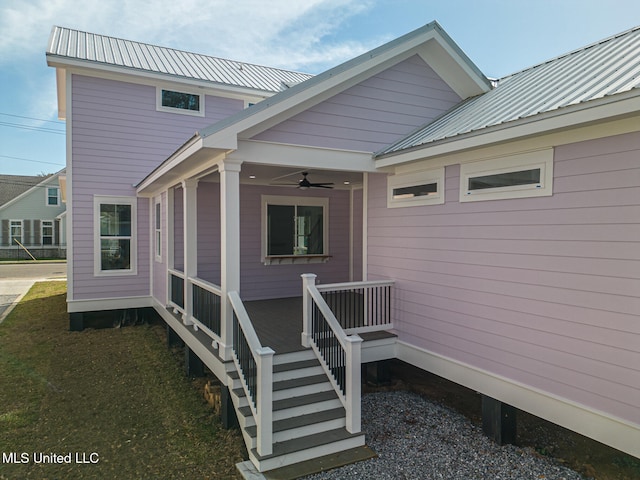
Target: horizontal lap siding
209	232
259	281
118	138
543	291
374	113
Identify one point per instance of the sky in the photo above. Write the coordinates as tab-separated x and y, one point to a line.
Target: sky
499	36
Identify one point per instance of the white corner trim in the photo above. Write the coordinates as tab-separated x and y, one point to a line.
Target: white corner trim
615	432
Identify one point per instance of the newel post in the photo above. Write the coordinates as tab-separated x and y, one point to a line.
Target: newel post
352	387
264	405
307	280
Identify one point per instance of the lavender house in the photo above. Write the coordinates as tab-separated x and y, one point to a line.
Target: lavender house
400	205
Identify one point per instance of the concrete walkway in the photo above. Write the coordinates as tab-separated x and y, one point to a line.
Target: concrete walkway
16	280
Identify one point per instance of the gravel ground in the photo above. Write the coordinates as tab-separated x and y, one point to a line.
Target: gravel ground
418	439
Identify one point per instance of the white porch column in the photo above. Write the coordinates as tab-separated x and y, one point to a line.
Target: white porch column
190	229
229	248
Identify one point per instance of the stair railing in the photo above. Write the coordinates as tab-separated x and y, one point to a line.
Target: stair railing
338	353
255	366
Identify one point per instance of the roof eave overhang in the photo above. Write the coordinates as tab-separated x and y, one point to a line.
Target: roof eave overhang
597	111
187	162
87	66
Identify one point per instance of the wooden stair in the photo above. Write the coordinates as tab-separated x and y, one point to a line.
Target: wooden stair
308	417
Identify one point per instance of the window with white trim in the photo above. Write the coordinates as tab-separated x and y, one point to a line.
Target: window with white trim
53	196
47	232
412	189
517	176
188	103
294	227
15	232
115	241
158	231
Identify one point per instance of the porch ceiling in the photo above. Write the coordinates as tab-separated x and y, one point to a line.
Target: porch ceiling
260	174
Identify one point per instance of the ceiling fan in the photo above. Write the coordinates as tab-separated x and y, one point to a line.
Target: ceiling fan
304	183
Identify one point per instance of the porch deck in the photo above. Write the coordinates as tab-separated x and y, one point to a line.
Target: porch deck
278	324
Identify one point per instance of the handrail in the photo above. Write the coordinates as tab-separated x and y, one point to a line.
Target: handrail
255	366
341	362
360	307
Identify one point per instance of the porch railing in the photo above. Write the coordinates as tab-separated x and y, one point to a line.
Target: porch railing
339	353
206	305
255	365
176	290
360	306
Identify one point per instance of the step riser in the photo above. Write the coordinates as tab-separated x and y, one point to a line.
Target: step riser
306	409
300	391
309	430
303	455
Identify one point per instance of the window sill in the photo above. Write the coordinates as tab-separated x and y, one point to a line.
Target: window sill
295	259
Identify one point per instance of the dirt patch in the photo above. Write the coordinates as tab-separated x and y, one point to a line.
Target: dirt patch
588	457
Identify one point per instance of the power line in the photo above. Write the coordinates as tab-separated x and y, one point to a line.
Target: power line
59	122
29	160
27	127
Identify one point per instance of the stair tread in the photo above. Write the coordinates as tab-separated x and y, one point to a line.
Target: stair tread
307	442
302	420
285	367
296	401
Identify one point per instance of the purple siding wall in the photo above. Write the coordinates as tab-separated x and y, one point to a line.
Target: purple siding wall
118	137
178	229
357	235
543	291
373	114
209	232
259	281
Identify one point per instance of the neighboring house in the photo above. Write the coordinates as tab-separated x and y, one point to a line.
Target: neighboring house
486	231
31	215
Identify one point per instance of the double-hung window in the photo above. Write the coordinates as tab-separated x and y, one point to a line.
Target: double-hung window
158	231
47	232
53	196
115	242
294	228
15	232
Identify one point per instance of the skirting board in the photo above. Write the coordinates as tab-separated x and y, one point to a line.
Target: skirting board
612	431
99	304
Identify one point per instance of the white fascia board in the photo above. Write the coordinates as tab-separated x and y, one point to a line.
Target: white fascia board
279	154
133	75
597	111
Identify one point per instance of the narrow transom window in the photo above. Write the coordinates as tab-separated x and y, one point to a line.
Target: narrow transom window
412	189
180	102
158	232
517	176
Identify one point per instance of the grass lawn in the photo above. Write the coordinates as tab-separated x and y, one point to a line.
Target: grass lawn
119	394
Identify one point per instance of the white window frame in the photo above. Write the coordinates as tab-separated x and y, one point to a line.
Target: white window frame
157	230
46	197
182	111
13	223
49	223
293	201
542	159
411	179
97	254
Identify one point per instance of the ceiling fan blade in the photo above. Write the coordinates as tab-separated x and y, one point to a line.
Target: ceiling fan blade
321	185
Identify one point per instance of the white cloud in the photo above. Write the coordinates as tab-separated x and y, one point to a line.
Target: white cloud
283	33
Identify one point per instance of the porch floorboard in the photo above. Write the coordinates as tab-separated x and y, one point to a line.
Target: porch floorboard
278	323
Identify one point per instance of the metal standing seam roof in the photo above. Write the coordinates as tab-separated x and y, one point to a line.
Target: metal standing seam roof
602	69
90	47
